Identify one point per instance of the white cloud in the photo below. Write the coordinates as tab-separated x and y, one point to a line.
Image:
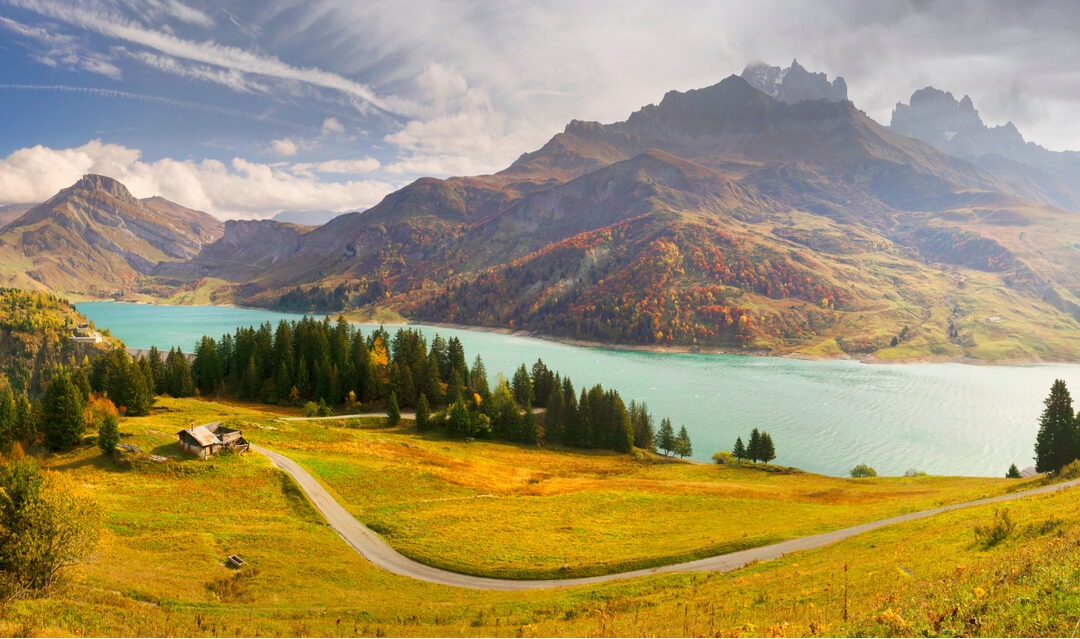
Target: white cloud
114	25
332	125
284	147
60	50
230	78
362	165
462	134
239	189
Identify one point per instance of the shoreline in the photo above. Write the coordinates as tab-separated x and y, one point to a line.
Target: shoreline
869	358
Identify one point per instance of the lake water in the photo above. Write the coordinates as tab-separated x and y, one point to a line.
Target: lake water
824	417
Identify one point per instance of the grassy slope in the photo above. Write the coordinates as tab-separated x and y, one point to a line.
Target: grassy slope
159	570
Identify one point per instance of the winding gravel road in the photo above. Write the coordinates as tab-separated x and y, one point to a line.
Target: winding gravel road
374	549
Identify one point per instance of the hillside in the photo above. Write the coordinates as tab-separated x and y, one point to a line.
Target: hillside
159	569
717	218
35	334
94	238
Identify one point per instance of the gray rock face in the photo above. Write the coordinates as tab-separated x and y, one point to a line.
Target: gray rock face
954	126
795	83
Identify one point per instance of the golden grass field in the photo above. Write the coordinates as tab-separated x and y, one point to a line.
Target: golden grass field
159	569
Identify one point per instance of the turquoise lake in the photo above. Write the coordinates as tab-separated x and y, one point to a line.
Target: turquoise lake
824	417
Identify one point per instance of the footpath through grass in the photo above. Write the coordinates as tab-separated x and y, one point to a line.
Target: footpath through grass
160	568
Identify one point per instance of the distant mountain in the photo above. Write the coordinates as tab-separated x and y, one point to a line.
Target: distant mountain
794	84
306	218
94	237
719	217
244	251
11	212
955	127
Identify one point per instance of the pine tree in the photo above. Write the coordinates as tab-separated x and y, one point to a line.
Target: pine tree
62	408
553	416
683	447
644	433
422	413
739	451
108	433
1057	441
667	436
157	370
753	450
459	422
478	380
393	413
522	386
768	451
1014	472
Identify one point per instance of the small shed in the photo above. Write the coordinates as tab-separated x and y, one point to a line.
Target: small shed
1029	472
211	439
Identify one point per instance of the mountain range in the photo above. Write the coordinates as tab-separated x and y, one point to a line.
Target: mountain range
781	220
95	238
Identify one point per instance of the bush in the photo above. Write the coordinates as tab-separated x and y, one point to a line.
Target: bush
998	530
724	458
911	472
311	409
1071	470
862	470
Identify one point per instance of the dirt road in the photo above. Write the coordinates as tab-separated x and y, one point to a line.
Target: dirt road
378	552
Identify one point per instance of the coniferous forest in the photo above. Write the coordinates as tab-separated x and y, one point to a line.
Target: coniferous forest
334	364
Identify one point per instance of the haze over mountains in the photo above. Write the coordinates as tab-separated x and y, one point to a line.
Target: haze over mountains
764	212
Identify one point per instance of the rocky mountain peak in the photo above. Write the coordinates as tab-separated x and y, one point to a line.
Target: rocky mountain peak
795	83
92	182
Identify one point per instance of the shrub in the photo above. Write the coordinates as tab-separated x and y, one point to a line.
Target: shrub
311	409
911	472
724	458
998	530
1071	470
862	470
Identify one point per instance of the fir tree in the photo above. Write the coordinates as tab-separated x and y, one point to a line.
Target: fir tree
422	413
667	436
157	370
459	422
683	447
644	433
393	413
1014	472
478	380
62	409
1057	442
108	433
522	386
739	451
768	451
753	450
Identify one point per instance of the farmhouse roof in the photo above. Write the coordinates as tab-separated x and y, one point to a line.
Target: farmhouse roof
203	434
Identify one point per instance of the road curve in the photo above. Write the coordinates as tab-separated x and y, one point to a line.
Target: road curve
374	549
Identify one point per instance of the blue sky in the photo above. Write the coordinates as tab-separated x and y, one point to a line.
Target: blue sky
244	109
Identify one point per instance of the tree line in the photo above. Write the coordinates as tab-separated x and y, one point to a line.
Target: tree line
334	364
760	447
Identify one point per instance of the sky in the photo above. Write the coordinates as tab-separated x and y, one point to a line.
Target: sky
245	109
